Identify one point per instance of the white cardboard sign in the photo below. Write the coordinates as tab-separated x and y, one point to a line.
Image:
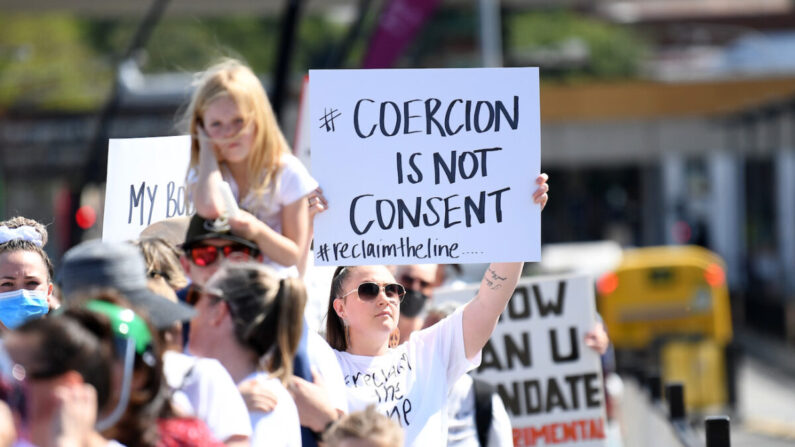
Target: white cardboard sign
550	381
426	166
145	184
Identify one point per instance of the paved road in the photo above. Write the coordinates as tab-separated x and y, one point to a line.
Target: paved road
765	415
766	406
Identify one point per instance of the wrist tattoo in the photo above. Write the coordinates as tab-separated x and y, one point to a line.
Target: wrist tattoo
493	280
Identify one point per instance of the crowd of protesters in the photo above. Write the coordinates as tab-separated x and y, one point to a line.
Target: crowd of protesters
195	334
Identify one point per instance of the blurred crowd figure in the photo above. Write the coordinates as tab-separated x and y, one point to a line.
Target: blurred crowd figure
195	335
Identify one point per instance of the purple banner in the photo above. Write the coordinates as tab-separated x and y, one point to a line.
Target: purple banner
400	22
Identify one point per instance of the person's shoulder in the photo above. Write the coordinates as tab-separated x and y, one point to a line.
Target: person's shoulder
290	161
270	382
176	365
314	340
444	326
178	361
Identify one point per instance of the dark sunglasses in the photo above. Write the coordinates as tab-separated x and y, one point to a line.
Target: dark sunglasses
195	292
368	291
408	279
204	255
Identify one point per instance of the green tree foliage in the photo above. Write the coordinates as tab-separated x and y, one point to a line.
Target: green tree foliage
63	62
191	44
45	64
611	51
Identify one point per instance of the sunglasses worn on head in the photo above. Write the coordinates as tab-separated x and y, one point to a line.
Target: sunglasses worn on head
204	255
368	291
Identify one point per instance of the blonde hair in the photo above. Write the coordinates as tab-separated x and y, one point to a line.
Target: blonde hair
232	79
368	425
162	261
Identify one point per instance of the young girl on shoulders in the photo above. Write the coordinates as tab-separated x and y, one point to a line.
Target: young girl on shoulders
237	139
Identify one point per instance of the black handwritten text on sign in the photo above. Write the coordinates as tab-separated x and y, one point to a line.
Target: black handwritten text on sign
143	199
539	394
426	170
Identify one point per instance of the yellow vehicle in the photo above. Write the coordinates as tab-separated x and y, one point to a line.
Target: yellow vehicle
668	308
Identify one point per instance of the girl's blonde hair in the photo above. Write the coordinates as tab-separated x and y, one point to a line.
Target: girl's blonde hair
231	78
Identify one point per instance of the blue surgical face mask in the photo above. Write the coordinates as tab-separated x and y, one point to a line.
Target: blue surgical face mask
19	306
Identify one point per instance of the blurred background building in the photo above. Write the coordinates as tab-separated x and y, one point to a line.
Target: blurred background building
663	121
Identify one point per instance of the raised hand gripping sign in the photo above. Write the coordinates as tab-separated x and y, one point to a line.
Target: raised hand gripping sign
426	166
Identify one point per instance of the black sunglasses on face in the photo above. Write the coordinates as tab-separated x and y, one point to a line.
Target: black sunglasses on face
368	291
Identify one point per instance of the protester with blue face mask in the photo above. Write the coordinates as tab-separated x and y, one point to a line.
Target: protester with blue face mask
25	272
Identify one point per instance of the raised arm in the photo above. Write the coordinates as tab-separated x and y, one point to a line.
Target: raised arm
481	314
496	288
286	249
206	195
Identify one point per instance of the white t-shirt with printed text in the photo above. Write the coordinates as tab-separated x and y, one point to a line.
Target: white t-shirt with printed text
411	382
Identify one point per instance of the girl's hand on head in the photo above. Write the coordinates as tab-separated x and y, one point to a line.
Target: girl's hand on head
206	144
317	202
257	397
541	195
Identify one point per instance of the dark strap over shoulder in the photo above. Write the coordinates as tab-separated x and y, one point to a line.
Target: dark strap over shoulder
483	408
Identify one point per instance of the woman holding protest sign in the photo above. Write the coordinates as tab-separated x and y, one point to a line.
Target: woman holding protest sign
410	382
237	139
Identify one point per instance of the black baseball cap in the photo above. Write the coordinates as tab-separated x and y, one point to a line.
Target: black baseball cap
200	229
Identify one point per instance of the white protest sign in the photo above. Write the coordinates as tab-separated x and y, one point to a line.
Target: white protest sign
426	166
145	184
550	381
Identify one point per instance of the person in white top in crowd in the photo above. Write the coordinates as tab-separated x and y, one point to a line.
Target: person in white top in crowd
410	382
250	321
462	405
205	250
237	139
201	387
